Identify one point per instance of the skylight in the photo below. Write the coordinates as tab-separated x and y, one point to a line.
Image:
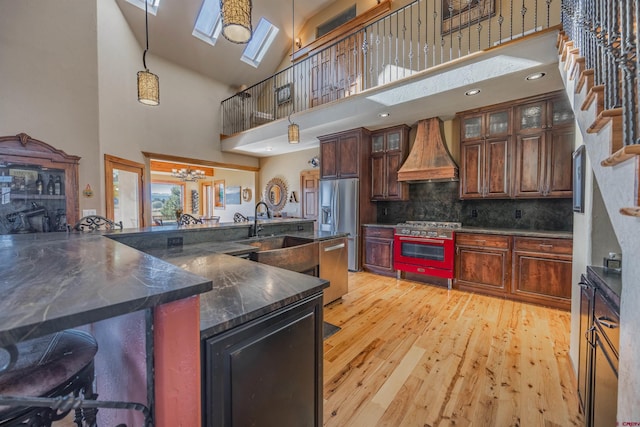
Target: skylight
153	5
262	38
209	24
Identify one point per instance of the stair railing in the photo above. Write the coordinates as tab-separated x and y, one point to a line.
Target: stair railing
410	40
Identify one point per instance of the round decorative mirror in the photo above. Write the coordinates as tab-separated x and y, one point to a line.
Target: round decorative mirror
275	194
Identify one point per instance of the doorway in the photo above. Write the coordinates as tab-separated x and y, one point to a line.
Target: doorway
309	186
124	191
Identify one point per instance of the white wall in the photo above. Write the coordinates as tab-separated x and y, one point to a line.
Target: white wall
236	178
287	167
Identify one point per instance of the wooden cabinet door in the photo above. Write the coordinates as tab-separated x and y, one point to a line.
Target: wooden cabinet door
328	164
542	271
497	182
310	196
530	165
348	159
378	250
531	117
395	189
378	176
483	263
559	149
472	170
483	269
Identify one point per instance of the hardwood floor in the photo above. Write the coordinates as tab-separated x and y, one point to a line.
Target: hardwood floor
411	354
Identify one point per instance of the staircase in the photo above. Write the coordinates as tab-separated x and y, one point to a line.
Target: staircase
615	165
606	110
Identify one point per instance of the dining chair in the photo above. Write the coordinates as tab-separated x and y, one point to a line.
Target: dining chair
95	223
186	219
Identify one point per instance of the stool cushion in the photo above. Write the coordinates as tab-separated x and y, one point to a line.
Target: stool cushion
47	363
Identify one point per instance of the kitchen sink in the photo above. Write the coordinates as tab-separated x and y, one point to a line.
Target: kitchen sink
288	252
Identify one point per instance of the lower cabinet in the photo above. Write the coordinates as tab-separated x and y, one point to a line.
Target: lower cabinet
268	371
542	271
483	263
378	250
536	270
598	358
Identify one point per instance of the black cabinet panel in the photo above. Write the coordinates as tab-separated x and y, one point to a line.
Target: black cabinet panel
267	372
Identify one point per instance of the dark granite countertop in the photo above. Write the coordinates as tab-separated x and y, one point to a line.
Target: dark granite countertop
609	283
242	290
380	225
55	281
517	232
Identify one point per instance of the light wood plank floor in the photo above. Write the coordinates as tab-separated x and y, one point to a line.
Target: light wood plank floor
411	354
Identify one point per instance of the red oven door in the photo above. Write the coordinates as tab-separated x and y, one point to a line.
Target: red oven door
424	255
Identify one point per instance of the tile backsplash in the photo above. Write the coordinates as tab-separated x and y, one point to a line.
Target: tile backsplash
439	201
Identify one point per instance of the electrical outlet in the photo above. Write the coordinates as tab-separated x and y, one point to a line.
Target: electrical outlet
300	228
385	211
518	213
173	242
474	213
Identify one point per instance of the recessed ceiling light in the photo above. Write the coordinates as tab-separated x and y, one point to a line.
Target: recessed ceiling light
383	115
535	76
472	92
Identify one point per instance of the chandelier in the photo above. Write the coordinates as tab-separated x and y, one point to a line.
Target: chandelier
188	174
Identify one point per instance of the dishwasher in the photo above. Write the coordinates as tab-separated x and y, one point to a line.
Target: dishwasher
333	267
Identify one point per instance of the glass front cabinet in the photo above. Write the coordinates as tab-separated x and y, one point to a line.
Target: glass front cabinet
38	186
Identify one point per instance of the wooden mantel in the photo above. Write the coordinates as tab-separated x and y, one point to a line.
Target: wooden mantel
344	30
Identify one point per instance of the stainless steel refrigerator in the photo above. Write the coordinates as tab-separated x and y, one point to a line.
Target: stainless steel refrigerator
339	201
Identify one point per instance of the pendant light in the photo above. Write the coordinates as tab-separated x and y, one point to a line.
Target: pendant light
236	20
293	131
148	83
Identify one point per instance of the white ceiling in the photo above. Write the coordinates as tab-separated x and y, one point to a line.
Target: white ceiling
500	74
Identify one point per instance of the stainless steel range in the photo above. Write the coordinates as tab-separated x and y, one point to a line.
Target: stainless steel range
425	247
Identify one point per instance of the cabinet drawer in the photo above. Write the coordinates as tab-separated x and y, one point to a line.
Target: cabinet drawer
382	232
554	246
483	240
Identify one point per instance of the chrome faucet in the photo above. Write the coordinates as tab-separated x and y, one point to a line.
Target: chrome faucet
255	219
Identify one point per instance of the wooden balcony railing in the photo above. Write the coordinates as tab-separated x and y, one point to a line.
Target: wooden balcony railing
408	41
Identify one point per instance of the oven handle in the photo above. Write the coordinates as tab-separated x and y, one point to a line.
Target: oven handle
420	240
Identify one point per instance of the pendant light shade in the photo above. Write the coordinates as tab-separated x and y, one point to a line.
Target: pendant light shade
236	20
148	83
294	133
148	88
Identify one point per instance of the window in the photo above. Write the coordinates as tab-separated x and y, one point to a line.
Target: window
166	199
153	5
336	21
209	23
263	36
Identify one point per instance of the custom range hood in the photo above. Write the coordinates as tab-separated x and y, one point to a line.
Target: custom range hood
429	159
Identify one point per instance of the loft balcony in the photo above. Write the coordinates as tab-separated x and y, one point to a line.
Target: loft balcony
412	63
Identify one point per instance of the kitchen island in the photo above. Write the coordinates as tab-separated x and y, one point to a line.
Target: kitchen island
56	281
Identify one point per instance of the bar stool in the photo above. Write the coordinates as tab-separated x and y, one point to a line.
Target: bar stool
186	219
96	222
55	365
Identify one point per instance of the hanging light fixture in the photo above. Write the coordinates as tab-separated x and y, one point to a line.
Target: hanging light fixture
236	20
188	174
148	83
293	131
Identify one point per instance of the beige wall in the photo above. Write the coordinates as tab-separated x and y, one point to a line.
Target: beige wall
48	83
236	178
69	79
287	167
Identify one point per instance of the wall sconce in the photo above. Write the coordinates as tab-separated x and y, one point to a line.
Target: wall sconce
298	42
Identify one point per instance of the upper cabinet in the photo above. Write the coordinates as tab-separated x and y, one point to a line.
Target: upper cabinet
38	184
389	148
544	145
345	154
485	152
520	149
